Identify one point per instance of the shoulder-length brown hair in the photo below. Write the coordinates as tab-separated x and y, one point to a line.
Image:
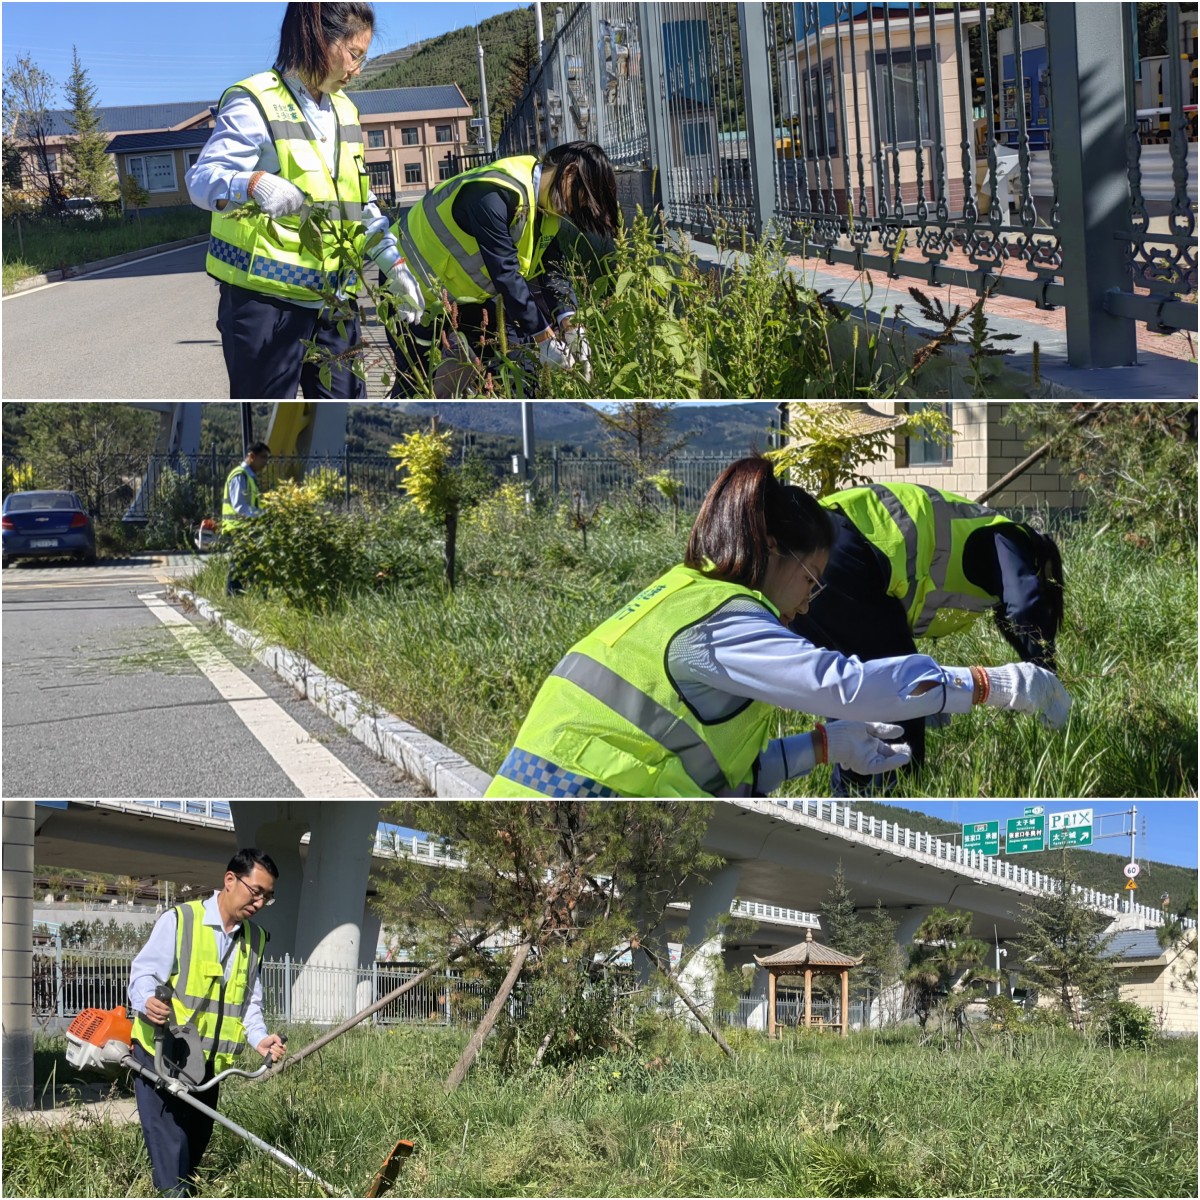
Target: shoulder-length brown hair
745	506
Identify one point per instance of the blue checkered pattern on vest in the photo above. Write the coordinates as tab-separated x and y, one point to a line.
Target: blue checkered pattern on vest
281	272
541	775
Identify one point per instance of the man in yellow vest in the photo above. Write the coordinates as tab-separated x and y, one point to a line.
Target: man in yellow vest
910	560
209	953
242	503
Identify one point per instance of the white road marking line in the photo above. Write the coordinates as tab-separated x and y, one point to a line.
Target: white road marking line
312	768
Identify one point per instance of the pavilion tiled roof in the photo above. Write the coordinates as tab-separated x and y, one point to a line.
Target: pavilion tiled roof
808	954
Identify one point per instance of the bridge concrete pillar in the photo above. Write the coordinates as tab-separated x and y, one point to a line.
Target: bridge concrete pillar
710	902
275	827
329	922
17	1006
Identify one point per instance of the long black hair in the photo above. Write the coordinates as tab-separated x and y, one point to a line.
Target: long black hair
309	32
745	506
584	189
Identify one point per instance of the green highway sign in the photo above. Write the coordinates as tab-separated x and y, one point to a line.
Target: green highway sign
983	836
1025	834
1069	828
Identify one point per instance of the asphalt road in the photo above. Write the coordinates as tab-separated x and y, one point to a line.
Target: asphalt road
146	330
104	699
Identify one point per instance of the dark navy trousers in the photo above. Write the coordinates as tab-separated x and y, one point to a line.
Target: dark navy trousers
176	1134
263	342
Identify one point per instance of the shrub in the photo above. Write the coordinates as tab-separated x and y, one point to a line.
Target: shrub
1128	1025
300	551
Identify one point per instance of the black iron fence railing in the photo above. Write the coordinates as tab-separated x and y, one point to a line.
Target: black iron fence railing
1052	160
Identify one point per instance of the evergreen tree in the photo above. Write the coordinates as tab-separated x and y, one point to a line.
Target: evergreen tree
1062	948
87	171
883	959
568	885
838	917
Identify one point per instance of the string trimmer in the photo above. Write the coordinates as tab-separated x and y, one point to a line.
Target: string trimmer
101	1040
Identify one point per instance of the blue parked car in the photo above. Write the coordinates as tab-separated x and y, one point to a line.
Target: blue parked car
47	525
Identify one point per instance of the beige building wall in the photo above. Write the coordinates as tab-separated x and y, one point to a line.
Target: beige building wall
1161	986
986	446
428	153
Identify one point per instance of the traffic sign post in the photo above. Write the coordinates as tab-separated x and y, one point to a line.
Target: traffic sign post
1023	835
983	836
1069	828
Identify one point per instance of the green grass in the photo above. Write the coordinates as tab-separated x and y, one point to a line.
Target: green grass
465	666
42	245
875	1114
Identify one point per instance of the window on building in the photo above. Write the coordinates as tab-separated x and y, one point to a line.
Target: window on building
820	112
445	169
696	140
410	136
380	175
908	85
412	172
925	452
193	157
376	139
154	172
445	133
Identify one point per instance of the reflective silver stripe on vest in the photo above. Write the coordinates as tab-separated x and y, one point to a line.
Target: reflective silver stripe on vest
472	264
647	715
944	512
290	131
908	530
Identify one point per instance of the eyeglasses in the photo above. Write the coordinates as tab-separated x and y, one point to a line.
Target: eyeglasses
357	60
817	585
267	898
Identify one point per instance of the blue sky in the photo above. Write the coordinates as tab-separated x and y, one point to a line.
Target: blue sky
1170	825
148	53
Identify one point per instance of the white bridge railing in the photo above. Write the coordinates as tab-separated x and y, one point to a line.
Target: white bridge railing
919	844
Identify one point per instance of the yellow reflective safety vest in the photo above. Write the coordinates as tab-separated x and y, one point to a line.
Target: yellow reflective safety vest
264	254
610	721
922	531
196	984
230	517
442	255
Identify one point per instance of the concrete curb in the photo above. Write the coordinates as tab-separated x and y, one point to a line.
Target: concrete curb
443	771
102	263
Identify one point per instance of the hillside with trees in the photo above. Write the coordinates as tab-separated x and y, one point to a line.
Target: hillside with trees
508	46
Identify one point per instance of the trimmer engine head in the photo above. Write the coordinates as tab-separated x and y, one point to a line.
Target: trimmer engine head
99	1039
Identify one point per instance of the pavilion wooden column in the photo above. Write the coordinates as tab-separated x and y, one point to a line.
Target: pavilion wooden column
770	1003
845	1003
807	997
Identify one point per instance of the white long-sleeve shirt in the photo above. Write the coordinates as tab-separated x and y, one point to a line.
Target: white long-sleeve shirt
241	144
155	963
742	652
239	496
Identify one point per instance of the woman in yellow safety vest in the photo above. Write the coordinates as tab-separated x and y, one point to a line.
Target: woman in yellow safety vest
286	144
676	693
494	233
910	561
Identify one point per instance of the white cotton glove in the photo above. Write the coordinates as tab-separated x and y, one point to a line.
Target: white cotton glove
402	283
1025	688
556	353
276	197
859	746
577	343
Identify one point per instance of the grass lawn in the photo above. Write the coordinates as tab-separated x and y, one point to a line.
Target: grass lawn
35	247
811	1115
465	666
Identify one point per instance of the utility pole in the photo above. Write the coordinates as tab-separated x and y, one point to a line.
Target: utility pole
539	30
483	97
528	449
1132	848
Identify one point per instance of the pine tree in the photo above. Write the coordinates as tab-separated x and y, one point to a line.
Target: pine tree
1062	947
88	171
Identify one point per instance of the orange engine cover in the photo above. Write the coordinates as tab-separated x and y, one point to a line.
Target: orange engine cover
102	1025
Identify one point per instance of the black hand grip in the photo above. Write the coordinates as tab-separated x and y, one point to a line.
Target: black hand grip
163	993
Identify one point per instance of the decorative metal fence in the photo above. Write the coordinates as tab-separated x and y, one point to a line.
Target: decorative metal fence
949	143
352	478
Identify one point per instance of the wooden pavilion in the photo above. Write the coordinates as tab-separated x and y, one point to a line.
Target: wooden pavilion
808	958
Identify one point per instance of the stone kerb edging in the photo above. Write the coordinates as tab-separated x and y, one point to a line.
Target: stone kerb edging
101	264
444	772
